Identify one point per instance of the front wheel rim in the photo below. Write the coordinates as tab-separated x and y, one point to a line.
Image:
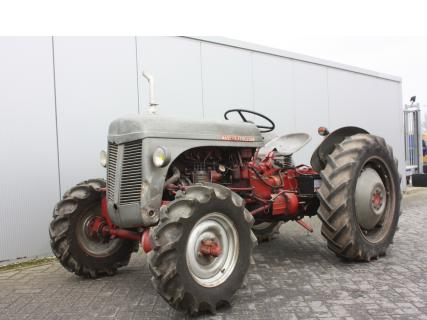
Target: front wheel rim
95	247
209	270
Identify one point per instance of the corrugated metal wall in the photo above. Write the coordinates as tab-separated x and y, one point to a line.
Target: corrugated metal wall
29	182
58	96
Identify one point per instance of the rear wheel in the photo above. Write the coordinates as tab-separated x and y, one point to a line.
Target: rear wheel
201	248
72	241
360	198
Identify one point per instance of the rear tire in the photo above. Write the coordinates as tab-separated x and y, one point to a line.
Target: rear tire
191	282
76	252
343	225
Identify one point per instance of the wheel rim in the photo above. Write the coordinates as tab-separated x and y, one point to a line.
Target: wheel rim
210	270
92	245
374	199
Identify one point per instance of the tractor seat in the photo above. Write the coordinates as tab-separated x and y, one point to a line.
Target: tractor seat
286	145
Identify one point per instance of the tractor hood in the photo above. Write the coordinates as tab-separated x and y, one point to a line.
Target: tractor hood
134	127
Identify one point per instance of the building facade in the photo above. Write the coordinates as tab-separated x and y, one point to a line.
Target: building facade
58	96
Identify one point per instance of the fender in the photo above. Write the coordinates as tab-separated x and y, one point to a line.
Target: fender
318	158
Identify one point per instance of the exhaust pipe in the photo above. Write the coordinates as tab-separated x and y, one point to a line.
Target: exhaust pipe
152	105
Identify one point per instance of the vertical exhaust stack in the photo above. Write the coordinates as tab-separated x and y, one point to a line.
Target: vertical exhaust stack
152	105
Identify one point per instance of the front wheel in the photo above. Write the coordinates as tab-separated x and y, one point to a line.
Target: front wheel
202	248
76	247
360	198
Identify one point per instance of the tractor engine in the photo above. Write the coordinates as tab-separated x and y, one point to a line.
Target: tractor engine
273	187
224	166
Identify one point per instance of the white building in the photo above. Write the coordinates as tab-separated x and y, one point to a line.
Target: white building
58	95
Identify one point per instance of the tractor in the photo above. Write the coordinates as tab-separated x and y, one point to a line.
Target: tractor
197	196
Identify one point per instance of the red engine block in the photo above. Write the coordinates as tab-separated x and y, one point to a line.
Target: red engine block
276	185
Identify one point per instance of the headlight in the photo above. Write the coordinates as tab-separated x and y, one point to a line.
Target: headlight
103	158
161	157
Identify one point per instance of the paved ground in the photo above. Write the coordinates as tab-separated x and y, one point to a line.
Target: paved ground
294	277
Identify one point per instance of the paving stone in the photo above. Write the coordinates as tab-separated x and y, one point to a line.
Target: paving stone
293	277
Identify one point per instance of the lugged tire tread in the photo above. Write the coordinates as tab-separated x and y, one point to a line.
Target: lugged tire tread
333	208
165	270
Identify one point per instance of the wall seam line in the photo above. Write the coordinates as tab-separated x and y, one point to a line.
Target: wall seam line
294	88
253	81
137	72
329	100
56	115
201	79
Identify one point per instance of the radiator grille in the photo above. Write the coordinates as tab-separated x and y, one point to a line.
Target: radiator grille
111	169
130	188
125	161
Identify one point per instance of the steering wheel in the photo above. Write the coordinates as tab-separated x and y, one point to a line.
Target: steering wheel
241	114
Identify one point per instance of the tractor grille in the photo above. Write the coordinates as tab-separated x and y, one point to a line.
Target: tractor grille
124	168
130	188
111	169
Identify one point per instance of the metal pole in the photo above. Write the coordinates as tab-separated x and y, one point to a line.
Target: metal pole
420	140
413	138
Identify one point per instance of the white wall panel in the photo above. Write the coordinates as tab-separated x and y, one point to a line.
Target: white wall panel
370	103
274	90
28	164
311	105
354	98
227	80
96	83
176	67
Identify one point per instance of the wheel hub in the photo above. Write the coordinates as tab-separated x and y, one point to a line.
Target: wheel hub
370	199
212	249
93	234
96	229
377	199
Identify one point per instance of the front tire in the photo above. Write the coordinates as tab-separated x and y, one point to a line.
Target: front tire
70	242
360	198
189	280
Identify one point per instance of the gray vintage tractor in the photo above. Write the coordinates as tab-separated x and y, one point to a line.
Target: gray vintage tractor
197	195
